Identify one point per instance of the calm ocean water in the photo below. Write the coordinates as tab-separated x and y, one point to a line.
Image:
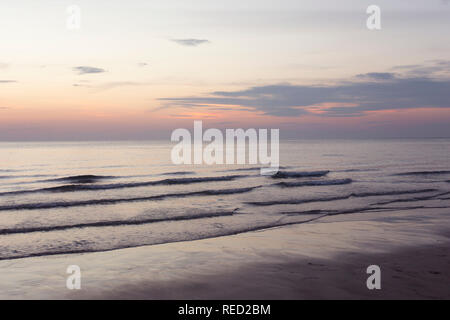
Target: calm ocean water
70	197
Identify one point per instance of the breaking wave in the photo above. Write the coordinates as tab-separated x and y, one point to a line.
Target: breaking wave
347	196
87	187
113	223
176	173
66	204
82	178
313	183
299	174
422	173
251	169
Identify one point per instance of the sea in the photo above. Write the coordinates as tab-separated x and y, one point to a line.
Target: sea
77	197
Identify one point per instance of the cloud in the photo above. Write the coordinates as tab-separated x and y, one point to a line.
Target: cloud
116	84
341	111
109	85
433	68
8	81
88	70
190	42
377	91
377	76
142	64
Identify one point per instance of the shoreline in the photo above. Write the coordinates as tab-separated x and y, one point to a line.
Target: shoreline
321	260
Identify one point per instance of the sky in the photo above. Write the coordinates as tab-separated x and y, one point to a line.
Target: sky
140	69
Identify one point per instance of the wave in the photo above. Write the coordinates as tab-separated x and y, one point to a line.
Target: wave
333	155
83	187
221	233
337	212
66	204
343	197
299	174
422	198
392	193
176	173
114	223
27	176
96	178
295	201
88	178
250	169
356	210
357	170
422	173
314	183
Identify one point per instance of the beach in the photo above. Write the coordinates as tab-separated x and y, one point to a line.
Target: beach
224	150
139	227
325	260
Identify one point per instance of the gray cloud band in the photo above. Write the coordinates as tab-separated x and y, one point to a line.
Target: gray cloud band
368	92
88	70
190	42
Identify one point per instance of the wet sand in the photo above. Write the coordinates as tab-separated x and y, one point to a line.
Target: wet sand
419	273
324	260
